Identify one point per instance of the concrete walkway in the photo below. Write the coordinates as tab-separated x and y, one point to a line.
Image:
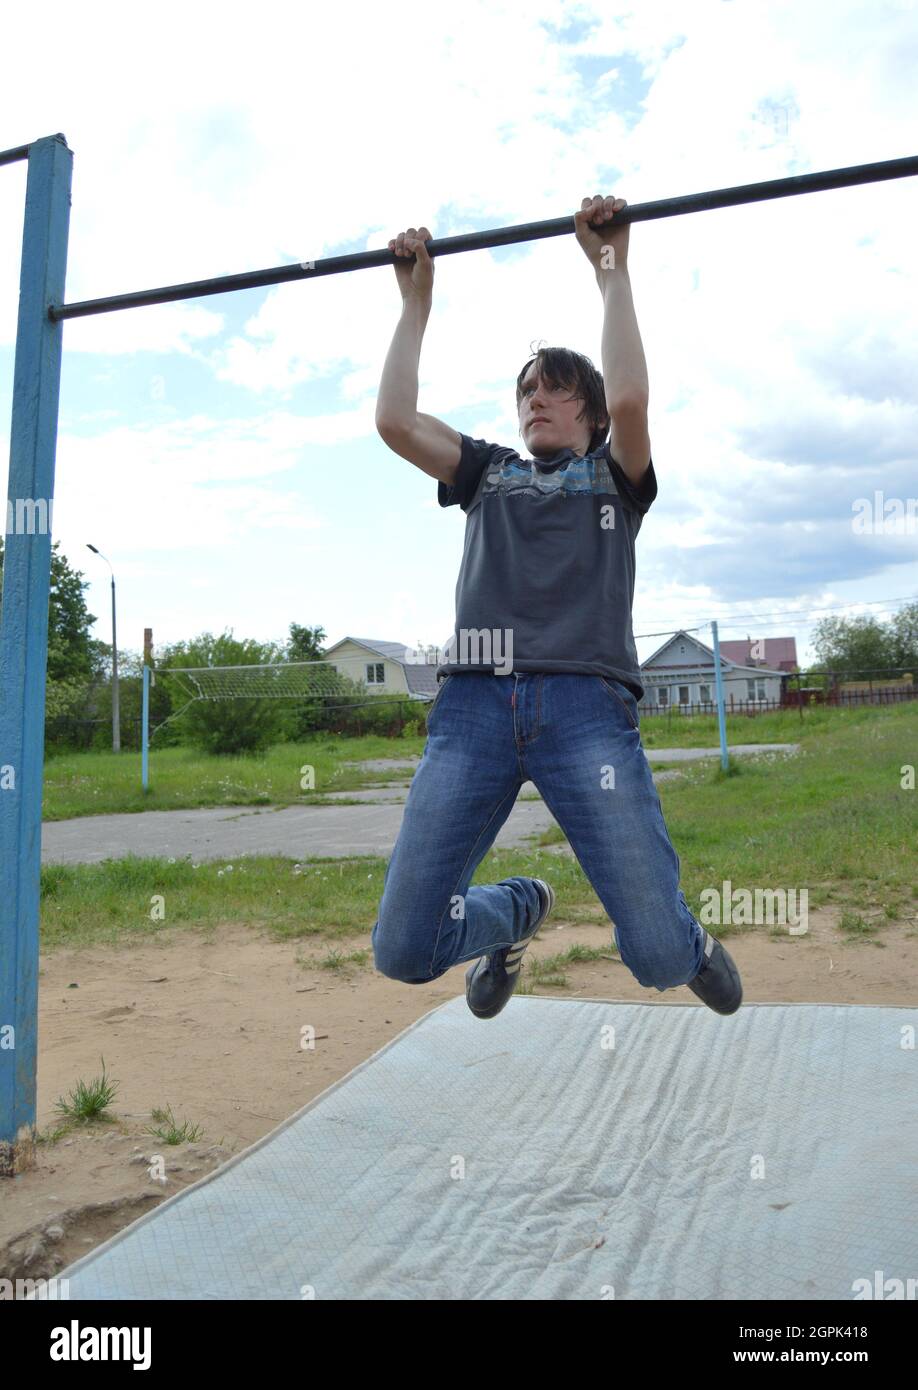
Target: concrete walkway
302	832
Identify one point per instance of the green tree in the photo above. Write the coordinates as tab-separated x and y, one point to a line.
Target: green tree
77	662
317	711
904	638
305	643
73	655
849	646
238	725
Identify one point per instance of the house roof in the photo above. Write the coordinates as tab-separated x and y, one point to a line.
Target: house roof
420	677
690	637
728	663
780	652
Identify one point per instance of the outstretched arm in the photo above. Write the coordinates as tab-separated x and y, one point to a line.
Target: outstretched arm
624	368
427	442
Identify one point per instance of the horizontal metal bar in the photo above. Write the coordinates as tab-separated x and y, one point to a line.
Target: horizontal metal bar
500	236
22	151
10	156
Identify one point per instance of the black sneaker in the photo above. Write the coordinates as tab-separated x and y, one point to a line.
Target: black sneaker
718	982
490	982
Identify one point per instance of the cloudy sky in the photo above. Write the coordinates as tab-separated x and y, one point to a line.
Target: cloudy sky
222	452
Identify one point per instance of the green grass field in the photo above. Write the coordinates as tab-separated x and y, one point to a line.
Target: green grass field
92	784
835	819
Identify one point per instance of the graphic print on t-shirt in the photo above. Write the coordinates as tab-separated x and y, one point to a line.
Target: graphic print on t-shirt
578	475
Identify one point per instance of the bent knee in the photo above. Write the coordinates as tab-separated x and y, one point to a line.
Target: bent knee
403	955
400	964
403	971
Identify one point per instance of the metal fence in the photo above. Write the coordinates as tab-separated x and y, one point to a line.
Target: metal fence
791	700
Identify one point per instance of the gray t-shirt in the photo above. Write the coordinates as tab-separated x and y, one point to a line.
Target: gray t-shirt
547	575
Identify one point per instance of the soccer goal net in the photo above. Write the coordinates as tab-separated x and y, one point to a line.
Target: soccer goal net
339	684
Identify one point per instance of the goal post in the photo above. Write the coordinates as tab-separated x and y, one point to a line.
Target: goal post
282	680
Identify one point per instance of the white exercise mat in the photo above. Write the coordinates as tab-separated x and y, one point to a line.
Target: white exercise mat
567	1149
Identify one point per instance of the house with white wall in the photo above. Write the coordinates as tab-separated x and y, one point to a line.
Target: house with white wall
681	673
388	668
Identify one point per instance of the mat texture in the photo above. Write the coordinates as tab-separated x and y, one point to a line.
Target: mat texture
567	1149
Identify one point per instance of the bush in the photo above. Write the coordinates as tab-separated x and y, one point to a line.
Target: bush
225	726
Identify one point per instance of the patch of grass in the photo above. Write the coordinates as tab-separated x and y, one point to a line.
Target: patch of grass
549	971
779	931
674	730
554	835
335	960
51	1136
88	1102
122	900
854	925
168	1130
103	783
734	768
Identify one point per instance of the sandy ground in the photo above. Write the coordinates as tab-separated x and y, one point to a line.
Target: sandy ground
210	1023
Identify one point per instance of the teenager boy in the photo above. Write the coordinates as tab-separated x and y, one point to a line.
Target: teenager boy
543	680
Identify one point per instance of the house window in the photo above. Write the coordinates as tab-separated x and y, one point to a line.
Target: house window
704	694
662	695
376	673
756	688
683	695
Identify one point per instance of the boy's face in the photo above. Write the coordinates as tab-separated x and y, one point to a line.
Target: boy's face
548	418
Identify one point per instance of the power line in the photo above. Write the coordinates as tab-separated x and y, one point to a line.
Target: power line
736	634
804	621
780	612
723	628
712	602
734	619
669	631
806	612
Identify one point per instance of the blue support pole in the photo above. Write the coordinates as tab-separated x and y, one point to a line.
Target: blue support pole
721	713
145	730
24	636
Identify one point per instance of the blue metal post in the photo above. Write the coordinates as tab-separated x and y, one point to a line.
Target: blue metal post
145	730
721	713
24	636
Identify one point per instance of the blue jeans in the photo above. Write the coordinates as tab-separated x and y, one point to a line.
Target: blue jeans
577	738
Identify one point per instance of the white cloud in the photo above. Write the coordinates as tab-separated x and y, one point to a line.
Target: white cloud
772	331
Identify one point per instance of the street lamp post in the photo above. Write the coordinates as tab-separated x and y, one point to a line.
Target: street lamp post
116	715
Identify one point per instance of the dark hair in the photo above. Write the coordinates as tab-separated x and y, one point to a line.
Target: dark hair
562	367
